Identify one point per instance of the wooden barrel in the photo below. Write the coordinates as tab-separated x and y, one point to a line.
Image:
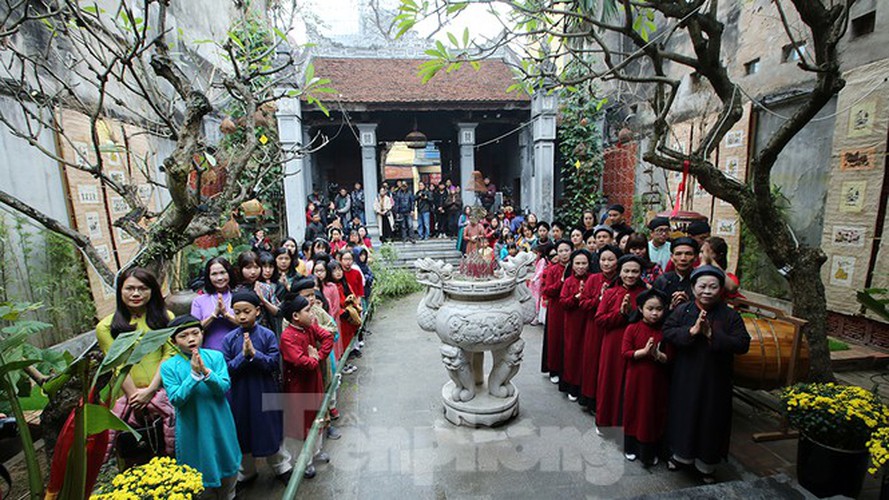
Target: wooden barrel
766	364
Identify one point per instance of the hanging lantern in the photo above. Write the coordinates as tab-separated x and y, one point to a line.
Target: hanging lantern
227	126
252	208
416	139
231	229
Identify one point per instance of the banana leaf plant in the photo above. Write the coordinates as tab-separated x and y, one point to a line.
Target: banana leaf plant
96	419
875	300
16	355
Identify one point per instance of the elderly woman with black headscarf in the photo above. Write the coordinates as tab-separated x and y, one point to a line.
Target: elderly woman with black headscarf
706	334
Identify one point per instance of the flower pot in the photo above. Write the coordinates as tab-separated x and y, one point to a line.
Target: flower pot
826	471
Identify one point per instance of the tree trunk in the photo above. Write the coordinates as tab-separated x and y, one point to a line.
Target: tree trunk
810	304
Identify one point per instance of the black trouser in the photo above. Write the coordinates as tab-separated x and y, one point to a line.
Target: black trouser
404	226
453	218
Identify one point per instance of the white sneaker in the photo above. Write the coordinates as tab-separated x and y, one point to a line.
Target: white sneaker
554	379
360	344
630	456
572	398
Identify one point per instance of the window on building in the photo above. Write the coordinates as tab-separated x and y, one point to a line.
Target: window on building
751	67
793	52
864	24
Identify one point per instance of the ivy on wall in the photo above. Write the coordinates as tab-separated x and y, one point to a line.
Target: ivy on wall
580	148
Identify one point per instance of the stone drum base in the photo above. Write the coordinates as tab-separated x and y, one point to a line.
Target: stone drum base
483	410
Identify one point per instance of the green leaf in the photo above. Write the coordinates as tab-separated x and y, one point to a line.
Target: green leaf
119	351
233	37
210	158
52	386
456	7
100	419
16	365
310	72
453	39
92	9
150	342
465	37
404	26
280	33
475	65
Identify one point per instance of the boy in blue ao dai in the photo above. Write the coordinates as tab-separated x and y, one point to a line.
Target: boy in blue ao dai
196	381
251	352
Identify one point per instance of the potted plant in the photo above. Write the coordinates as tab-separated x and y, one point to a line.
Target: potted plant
836	423
878	446
160	478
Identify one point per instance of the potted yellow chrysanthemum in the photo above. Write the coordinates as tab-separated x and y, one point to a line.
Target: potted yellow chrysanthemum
836	424
162	478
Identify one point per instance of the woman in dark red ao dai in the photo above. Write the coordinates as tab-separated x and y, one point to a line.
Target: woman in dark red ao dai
612	319
555	317
575	322
706	335
593	290
647	384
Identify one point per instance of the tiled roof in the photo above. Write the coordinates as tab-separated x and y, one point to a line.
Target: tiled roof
363	80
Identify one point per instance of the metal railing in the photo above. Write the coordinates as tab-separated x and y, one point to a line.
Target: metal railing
306	454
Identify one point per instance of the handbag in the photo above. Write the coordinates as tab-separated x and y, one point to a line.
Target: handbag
352	312
132	452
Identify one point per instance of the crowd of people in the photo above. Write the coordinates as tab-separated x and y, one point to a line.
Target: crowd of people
637	330
270	323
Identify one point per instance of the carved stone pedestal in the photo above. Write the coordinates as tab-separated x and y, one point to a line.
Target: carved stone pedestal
472	317
484	410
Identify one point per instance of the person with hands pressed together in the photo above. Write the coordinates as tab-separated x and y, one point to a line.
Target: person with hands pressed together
646	387
706	335
551	287
303	345
252	356
676	284
213	307
196	380
594	288
140	307
575	322
612	318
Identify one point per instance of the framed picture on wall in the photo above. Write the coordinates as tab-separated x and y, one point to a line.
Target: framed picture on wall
852	196
734	139
732	167
103	252
858	159
847	236
861	118
727	227
88	194
842	269
93	224
124	237
119	205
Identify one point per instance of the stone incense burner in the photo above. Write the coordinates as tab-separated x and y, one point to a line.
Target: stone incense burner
472	316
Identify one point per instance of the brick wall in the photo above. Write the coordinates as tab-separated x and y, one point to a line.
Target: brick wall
619	175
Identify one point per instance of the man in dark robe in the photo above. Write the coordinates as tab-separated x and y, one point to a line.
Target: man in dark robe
706	335
676	284
614	218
